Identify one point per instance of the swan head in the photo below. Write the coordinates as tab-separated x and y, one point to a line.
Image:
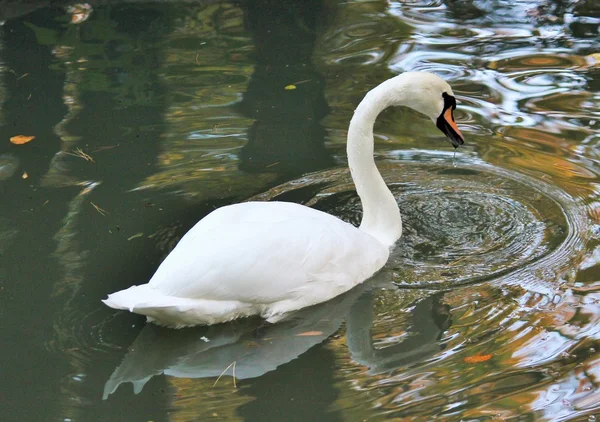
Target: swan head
430	95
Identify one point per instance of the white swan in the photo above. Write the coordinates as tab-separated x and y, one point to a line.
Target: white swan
270	258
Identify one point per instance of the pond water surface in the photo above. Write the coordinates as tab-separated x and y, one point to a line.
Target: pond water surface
147	116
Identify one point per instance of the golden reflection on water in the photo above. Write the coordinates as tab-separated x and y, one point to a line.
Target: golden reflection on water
204	81
495	387
200	399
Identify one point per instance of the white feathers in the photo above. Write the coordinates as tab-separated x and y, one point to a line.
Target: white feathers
264	258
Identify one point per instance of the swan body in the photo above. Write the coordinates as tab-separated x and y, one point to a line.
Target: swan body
271	258
264	258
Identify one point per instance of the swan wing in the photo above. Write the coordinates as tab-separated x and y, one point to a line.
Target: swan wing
267	252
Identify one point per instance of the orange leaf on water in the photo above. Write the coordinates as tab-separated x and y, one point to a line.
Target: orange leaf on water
21	139
477	358
310	333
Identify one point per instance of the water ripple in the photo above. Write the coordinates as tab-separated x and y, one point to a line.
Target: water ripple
462	224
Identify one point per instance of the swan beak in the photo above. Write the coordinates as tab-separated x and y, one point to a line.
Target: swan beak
447	124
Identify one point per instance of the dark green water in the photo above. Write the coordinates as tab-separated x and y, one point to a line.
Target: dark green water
147	116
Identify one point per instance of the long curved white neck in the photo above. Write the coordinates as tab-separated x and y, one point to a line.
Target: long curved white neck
381	215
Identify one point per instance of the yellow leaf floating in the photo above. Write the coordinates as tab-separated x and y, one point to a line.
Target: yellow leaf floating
21	139
477	358
24	175
290	87
310	333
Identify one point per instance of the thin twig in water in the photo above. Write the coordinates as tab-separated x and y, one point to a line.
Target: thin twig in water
223	373
105	148
456	261
100	210
78	152
233	372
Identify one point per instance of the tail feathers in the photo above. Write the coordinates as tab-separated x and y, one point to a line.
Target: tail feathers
177	312
113	383
139	297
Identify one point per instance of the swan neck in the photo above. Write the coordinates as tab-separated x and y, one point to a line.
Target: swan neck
381	215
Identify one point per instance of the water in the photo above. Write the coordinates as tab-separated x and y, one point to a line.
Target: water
148	115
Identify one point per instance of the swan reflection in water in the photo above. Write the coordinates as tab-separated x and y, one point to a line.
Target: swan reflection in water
258	347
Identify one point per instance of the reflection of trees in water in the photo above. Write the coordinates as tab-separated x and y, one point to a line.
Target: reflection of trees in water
32	106
111	64
111	84
235	115
287	136
206	73
353	54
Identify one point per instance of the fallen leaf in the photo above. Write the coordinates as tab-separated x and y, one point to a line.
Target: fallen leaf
21	139
310	333
25	175
135	236
290	87
477	358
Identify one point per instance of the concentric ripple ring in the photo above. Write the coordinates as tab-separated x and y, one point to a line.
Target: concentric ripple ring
464	223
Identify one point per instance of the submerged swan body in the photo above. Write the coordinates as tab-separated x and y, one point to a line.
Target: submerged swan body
271	258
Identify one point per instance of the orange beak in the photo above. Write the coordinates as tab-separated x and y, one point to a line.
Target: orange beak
447	124
449	117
